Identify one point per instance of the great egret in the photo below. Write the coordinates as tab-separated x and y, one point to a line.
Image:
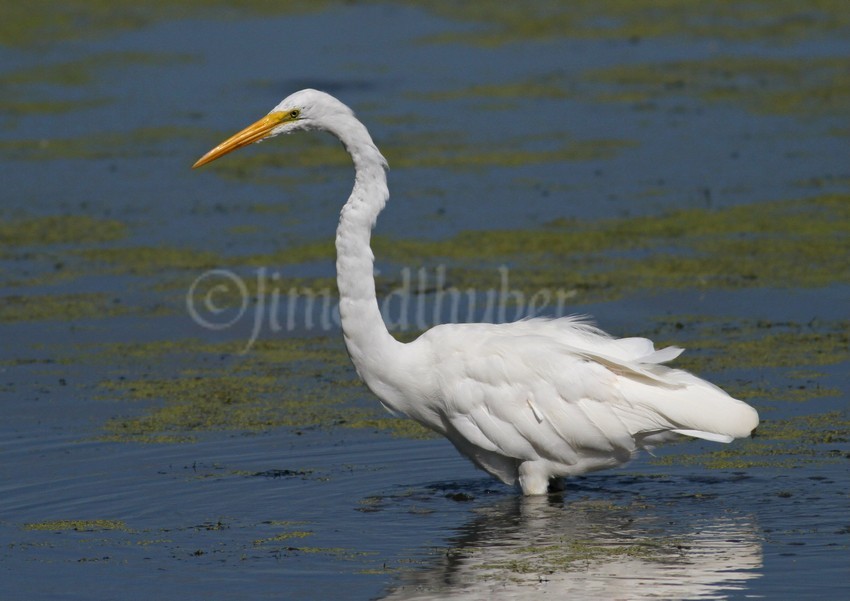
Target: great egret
529	401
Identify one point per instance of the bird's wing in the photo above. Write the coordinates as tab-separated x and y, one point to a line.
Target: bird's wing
529	396
565	391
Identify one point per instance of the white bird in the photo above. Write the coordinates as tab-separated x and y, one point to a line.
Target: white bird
529	401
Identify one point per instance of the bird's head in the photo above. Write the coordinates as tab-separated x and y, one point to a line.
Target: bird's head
303	110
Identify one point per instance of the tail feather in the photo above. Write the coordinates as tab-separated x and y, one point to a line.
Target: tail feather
697	409
713	437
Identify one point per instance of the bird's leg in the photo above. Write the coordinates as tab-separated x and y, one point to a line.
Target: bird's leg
557	484
533	479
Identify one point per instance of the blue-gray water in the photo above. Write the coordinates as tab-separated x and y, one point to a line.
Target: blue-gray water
152	446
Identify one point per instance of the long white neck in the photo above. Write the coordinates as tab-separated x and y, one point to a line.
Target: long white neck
373	350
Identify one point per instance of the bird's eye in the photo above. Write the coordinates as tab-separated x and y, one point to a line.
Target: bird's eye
293	114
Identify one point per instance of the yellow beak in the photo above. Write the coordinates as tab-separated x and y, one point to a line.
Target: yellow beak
253	133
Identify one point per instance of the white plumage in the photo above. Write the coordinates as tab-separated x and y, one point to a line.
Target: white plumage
526	401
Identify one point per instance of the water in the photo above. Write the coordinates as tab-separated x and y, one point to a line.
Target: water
699	166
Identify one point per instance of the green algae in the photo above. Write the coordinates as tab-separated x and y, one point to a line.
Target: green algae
292	383
20	106
795	347
146	260
335	552
397	427
801	87
60	307
40	20
779	21
718	344
194	404
818	429
789	392
144	141
25	88
81	72
283	536
801	243
771	244
780	443
270	352
59	229
322	250
209	268
181	268
77	525
199	403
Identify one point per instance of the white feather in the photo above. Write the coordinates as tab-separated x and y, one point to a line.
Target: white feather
705	435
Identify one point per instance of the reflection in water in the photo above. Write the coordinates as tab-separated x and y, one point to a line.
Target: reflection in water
530	547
